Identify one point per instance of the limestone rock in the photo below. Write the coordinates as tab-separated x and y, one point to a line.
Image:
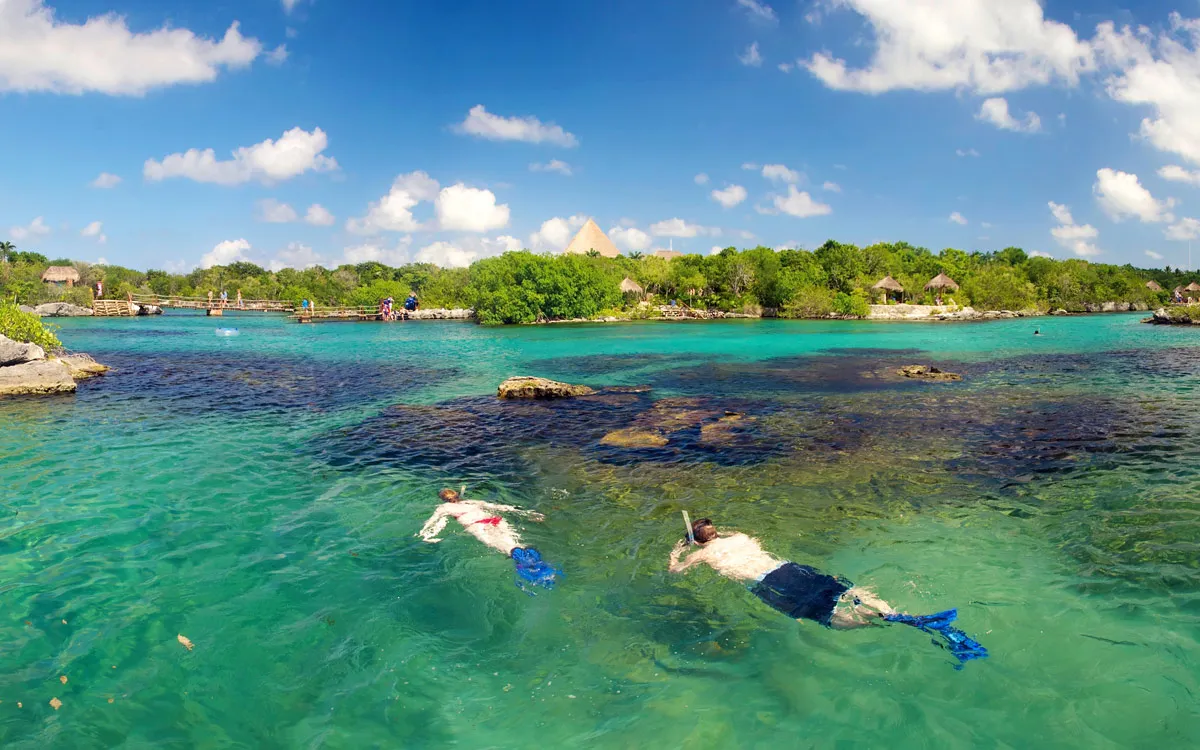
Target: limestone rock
36	378
62	310
437	313
633	437
18	352
924	372
83	366
148	310
525	387
27	309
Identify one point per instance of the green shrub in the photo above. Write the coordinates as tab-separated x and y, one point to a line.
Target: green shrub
809	302
851	305
26	327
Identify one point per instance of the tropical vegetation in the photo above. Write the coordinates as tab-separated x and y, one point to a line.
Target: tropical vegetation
521	287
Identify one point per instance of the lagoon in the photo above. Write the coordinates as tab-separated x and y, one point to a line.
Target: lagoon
259	494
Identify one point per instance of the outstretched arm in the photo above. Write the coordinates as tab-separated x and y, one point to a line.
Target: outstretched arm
434	526
675	566
532	514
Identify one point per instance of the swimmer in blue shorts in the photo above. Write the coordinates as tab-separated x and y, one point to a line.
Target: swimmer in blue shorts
798	591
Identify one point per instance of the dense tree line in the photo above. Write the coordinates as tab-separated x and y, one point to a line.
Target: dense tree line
523	287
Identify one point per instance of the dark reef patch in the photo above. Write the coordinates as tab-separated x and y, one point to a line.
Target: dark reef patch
199	384
593	365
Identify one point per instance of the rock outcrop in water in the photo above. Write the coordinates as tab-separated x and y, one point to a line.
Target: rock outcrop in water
924	372
671	416
62	310
1179	315
26	370
525	387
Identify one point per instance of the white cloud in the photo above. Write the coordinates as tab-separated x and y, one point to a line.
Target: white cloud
966	152
1039	254
1154	255
483	124
629	238
958	218
832	187
224	253
554	165
995	111
730	196
751	57
446	255
295	255
796	203
35	228
273	212
319	216
680	228
297	151
106	180
41	53
467	209
1176	173
277	56
759	11
393	212
700	179
715	249
290	5
372	251
780	173
555	234
1075	238
785	67
1163	73
749	166
983	46
95	229
1121	195
1185	229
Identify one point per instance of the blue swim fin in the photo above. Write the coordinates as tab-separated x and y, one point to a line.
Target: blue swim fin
532	569
958	643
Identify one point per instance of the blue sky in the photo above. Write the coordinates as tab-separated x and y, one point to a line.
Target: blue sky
447	131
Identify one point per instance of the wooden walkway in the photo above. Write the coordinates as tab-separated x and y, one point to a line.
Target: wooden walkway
215	306
336	314
112	308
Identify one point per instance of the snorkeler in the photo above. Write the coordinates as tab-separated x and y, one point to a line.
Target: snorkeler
482	521
1037	332
804	593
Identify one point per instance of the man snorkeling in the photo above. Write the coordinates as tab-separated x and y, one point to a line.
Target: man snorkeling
804	593
482	521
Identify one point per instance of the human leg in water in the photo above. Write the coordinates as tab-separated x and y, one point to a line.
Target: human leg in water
957	642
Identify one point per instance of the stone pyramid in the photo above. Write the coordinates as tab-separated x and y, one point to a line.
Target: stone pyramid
591	238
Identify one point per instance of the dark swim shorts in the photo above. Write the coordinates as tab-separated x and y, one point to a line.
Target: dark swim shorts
799	591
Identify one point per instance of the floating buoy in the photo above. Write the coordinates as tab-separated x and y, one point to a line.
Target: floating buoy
227	331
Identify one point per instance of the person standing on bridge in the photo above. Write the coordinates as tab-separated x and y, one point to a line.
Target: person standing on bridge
240	303
210	295
224	299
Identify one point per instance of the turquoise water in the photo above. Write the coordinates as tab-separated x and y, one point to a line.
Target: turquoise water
259	494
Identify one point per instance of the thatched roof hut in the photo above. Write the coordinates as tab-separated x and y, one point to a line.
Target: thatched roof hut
1153	286
629	286
60	274
889	284
942	281
1192	287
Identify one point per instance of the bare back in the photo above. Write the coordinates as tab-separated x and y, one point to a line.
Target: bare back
736	556
484	524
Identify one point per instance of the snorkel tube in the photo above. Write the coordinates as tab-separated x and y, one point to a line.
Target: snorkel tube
687	524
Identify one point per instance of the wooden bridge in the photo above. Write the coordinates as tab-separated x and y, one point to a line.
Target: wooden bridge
333	314
214	306
112	308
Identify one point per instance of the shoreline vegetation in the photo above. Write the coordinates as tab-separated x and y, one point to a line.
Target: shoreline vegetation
835	281
33	362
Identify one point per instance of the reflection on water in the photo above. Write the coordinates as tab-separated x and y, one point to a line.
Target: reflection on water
260	496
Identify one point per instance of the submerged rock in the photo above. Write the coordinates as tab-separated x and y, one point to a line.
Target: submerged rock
139	309
525	387
632	437
36	378
62	310
18	352
924	372
82	366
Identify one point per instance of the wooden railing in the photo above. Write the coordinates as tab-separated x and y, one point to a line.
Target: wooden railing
204	303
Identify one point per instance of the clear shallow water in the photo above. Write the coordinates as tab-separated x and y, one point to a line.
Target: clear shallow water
260	493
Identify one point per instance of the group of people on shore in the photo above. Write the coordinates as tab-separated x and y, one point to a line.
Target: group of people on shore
388	312
799	591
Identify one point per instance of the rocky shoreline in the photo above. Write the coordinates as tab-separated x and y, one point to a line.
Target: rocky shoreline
933	313
1180	315
27	370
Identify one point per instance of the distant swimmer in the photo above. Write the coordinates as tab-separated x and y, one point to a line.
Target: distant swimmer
1037	332
805	593
482	521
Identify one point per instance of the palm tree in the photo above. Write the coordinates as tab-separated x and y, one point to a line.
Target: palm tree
635	255
593	253
6	250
